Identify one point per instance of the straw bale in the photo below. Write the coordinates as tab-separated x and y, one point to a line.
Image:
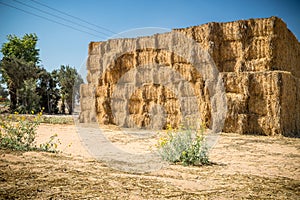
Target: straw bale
259	60
94	48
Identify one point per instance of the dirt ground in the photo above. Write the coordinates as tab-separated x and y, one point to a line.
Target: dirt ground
244	167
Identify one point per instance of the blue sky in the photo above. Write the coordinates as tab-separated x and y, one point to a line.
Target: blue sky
60	45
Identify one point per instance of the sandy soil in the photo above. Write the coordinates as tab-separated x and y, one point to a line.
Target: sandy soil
244	167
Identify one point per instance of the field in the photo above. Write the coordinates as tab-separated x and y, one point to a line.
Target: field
243	167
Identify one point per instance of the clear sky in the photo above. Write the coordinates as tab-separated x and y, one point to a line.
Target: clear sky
61	45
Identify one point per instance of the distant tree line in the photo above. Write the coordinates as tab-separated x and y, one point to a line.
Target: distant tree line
31	87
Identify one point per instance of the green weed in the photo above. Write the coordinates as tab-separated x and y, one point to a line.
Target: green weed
19	133
185	145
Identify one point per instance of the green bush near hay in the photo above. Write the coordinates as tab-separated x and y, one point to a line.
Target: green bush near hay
184	145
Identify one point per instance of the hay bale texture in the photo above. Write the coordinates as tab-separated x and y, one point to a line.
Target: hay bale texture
259	60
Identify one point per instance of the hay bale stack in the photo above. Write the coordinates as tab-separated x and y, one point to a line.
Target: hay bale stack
249	45
264	103
259	60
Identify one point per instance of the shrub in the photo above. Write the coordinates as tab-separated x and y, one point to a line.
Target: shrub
51	145
184	145
19	133
57	120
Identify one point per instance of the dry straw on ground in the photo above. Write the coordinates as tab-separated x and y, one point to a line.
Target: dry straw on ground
245	167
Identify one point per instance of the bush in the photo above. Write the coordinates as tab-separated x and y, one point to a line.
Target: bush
57	120
51	145
19	133
184	145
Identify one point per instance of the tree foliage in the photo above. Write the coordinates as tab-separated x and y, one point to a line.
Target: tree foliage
30	86
47	88
21	48
29	100
69	81
19	64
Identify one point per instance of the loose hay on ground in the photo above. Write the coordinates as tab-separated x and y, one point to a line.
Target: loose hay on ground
250	167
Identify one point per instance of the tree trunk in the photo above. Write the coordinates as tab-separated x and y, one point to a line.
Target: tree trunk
70	106
13	97
63	105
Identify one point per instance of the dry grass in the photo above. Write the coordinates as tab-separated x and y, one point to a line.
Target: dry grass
246	167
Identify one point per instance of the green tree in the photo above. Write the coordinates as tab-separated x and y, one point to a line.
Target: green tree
28	97
19	63
48	90
69	81
21	48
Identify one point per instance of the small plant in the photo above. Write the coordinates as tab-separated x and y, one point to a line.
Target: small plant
51	145
184	145
57	120
19	133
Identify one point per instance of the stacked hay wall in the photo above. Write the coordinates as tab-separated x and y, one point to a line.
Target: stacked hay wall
259	60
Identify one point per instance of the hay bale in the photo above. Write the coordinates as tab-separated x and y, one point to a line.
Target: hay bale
290	104
265	103
94	48
259	60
